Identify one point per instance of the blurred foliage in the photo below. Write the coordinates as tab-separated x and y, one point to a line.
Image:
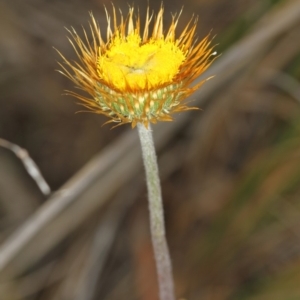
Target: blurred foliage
232	191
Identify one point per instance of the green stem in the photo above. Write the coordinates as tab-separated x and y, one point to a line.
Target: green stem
160	247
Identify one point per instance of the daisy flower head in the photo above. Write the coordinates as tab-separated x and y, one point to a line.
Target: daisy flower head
137	76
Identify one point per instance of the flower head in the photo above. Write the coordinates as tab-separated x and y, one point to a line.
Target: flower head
137	76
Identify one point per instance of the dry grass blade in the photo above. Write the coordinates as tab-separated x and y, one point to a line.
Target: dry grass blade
103	240
29	164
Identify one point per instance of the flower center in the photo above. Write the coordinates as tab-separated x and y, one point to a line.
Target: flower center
128	62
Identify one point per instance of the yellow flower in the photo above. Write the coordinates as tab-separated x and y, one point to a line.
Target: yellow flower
137	76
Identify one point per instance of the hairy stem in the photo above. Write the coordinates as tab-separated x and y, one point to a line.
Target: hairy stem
160	247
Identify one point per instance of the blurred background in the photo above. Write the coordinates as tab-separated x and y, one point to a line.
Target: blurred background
230	173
